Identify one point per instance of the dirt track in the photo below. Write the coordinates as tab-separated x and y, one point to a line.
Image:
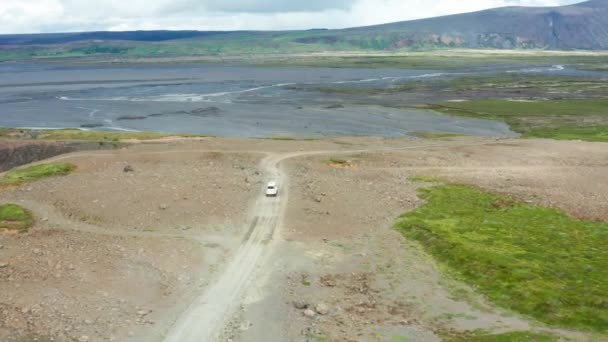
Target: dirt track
206	317
182	245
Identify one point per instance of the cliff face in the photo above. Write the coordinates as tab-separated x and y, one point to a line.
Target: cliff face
16	153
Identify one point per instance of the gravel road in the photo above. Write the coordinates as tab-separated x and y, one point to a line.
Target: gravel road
207	315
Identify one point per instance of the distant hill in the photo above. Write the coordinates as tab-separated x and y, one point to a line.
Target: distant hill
579	26
63	38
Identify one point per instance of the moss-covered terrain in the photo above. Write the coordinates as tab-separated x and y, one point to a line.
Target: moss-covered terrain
33	173
14	217
566	119
435	135
530	259
517	336
75	134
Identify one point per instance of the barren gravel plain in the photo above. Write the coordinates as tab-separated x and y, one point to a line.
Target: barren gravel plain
123	253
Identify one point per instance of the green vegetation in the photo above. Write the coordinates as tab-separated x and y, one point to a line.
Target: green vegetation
594	133
306	48
285	138
338	161
505	85
593	67
518	336
74	134
13	217
577	107
556	119
534	260
530	85
35	172
431	135
425	179
428	60
399	339
5	132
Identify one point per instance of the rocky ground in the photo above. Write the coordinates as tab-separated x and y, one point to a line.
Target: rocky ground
122	246
343	274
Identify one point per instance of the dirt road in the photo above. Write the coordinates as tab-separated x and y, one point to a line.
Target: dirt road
205	318
208	314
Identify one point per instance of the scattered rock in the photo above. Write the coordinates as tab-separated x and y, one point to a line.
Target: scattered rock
83	338
3	264
245	326
318	199
142	312
309	313
300	305
128	168
37	251
322	309
163	207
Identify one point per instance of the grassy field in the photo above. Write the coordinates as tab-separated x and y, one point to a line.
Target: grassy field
508	85
530	84
75	134
431	135
35	172
533	260
518	336
13	217
432	59
556	107
556	119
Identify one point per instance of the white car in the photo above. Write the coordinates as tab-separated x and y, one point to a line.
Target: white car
272	190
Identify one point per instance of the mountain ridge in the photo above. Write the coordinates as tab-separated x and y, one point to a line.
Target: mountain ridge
578	26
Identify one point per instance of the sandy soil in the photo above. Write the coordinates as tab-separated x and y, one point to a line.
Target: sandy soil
120	255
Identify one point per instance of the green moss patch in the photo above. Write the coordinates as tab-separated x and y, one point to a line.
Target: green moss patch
534	260
517	336
435	135
74	134
35	172
425	179
13	217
